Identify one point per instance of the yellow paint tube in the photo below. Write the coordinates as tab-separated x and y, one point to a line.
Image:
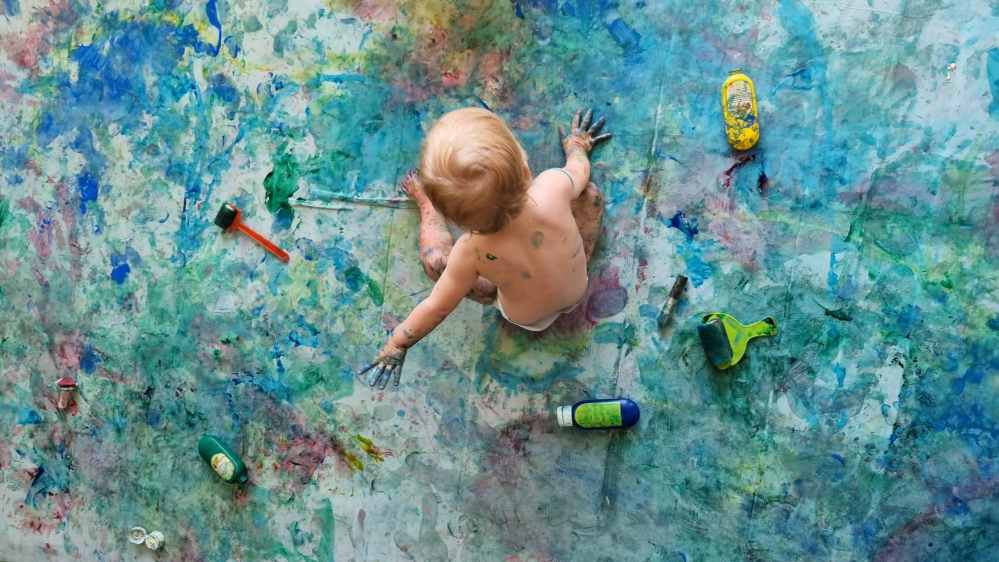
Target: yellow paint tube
742	123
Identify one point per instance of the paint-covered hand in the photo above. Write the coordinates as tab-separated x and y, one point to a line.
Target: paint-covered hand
386	364
582	133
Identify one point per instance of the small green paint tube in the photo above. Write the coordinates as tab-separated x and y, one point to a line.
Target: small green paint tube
223	461
614	413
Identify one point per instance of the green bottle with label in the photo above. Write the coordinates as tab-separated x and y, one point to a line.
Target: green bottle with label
223	461
614	413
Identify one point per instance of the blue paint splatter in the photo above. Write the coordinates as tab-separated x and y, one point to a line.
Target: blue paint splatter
520	12
840	374
87	186
11	8
212	11
154	419
307	248
40	486
992	70
697	269
27	416
838	459
89	359
624	35
993	323
230	43
119	268
679	222
224	88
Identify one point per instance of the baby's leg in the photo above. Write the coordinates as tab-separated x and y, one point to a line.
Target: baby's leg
588	210
436	241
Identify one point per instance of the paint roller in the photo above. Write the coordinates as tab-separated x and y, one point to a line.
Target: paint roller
230	218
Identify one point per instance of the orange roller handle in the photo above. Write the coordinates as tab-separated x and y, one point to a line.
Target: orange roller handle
281	254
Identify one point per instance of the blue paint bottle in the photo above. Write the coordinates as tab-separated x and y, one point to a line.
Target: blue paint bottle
613	413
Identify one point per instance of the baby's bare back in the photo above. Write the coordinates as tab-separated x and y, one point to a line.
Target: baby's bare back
537	262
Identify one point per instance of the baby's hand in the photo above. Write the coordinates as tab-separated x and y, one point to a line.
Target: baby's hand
389	362
580	136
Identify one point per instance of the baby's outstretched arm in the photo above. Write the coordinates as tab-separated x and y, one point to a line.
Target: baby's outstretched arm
578	144
457	279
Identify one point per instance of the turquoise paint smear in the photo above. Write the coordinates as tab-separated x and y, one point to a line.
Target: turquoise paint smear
992	72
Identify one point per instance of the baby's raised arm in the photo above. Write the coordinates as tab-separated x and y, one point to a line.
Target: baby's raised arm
455	282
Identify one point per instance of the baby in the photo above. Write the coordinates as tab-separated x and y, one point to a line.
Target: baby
526	242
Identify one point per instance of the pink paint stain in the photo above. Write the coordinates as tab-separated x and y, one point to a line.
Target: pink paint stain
390	321
451	80
41	235
993	162
68	350
376	10
604	298
727	175
27	47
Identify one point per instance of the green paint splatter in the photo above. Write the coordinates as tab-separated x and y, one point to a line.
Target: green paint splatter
355	279
537	239
4	210
490	257
375	293
282	181
327	531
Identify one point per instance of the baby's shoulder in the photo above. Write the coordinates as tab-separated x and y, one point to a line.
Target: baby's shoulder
554	183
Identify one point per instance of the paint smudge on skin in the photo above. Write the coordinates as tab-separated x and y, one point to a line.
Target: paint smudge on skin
490	257
537	239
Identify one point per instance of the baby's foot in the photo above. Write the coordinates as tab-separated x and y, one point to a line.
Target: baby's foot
412	188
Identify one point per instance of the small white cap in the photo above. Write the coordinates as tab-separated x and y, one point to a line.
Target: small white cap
154	540
136	535
564	414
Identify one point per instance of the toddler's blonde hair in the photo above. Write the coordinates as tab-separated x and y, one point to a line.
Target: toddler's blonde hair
472	170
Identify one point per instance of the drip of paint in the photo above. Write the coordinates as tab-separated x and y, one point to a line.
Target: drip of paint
212	11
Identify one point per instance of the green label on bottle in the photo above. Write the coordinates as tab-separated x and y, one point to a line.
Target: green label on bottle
599	414
223	466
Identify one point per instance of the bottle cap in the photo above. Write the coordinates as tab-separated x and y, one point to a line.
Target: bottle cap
136	535
154	540
564	414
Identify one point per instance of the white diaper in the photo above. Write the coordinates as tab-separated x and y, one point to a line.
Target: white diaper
542	324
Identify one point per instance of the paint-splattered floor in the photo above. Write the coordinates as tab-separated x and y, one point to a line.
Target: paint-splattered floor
865	221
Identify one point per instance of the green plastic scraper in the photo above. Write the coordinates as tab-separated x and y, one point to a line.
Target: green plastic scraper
724	338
